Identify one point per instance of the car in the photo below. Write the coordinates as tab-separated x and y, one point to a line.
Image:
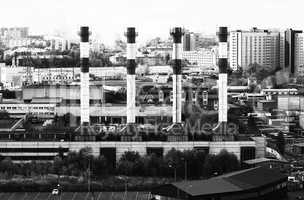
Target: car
55	192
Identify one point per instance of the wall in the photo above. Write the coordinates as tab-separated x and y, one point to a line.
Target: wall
121	147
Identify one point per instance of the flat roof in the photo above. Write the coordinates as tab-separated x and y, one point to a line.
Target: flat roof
234	182
262	160
299	144
7	123
8	101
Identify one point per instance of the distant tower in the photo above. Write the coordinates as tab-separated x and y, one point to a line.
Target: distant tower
177	34
84	76
222	81
131	87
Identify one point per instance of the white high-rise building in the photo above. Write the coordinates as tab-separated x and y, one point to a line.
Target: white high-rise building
299	54
292	52
189	41
254	46
235	49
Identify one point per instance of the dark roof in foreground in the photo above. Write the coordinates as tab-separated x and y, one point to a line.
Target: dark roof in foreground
239	181
263	160
7	123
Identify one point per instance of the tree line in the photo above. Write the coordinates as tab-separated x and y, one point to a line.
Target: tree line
193	164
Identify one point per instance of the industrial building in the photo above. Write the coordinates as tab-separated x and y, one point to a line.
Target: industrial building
256	183
88	102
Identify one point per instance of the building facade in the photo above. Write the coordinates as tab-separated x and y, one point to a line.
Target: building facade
204	57
14	32
254	46
188	41
277	49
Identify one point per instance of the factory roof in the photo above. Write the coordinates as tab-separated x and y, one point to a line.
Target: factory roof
262	160
240	181
9	124
267	101
46	100
11	101
299	144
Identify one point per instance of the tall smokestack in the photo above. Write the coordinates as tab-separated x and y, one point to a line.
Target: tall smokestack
84	76
131	66
222	82
177	34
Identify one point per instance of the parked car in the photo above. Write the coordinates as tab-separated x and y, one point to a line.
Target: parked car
55	192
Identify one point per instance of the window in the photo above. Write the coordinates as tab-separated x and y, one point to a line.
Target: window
247	153
155	150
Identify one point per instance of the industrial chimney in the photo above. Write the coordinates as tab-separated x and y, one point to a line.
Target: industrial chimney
131	87
222	82
84	76
177	34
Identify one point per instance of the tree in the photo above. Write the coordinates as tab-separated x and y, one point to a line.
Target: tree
195	162
143	70
69	120
153	165
4	114
84	158
130	163
167	58
120	45
100	166
221	163
259	71
7	166
57	165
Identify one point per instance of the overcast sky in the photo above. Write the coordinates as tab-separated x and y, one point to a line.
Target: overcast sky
108	19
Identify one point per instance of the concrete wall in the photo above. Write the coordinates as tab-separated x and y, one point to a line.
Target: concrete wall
260	143
60	91
141	147
117	111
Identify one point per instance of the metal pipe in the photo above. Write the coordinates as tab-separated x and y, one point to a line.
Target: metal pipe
177	34
222	82
131	66
84	76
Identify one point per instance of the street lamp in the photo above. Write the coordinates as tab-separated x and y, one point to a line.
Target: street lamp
171	166
126	183
185	167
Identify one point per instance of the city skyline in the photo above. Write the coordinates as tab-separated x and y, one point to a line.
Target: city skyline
150	18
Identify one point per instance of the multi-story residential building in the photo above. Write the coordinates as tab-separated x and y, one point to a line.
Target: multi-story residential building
254	46
23	42
299	54
284	49
14	32
58	43
188	41
293	57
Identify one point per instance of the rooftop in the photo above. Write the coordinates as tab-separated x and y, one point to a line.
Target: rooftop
299	144
262	160
8	124
234	182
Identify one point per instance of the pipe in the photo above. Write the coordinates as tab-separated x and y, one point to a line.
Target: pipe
84	76
131	66
222	82
177	34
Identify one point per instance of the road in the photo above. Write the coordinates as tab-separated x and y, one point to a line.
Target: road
76	196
